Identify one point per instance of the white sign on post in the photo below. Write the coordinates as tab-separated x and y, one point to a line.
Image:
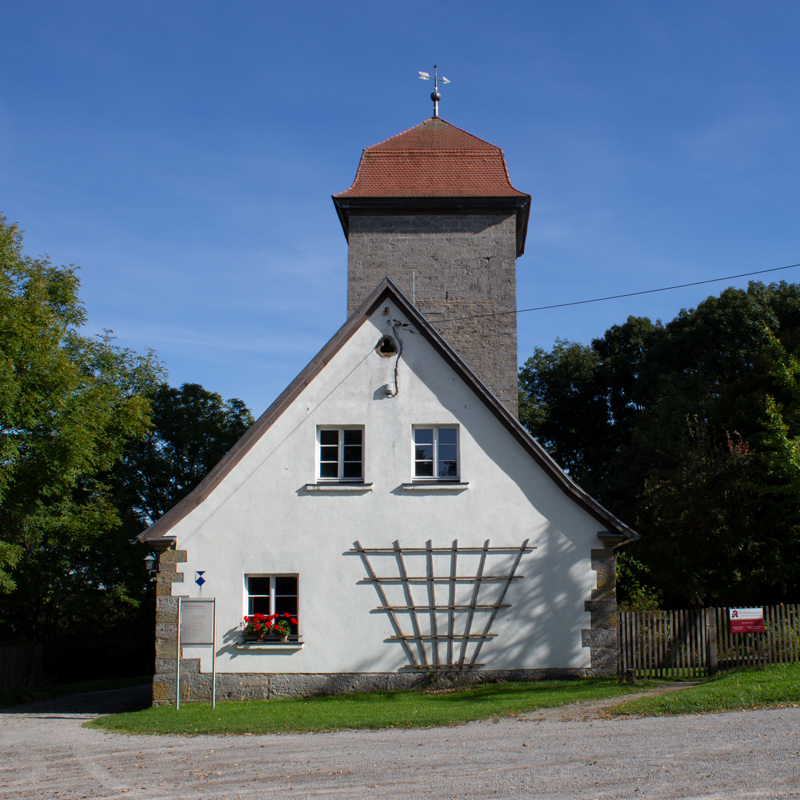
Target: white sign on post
197	621
196	625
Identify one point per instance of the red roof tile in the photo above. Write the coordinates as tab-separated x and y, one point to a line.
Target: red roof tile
434	134
433	159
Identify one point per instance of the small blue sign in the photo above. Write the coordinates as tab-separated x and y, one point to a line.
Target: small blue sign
199	579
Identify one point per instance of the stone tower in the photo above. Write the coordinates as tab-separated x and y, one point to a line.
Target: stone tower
433	209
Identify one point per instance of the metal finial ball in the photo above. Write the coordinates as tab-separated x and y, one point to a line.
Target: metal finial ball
436	96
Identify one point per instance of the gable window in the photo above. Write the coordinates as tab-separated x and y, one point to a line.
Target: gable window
272	594
341	454
436	453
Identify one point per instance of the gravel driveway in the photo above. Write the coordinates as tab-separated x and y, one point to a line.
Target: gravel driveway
556	754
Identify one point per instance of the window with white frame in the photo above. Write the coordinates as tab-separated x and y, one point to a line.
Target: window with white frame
436	453
272	595
341	454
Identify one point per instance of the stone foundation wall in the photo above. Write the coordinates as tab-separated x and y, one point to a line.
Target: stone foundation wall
450	266
196	686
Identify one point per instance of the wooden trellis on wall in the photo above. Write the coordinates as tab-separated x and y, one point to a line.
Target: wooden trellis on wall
430	645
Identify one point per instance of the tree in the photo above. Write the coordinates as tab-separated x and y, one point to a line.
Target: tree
93	605
192	430
782	423
582	402
560	402
68	405
688	431
708	536
93	447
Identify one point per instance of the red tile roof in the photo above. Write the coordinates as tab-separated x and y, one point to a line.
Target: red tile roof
433	159
433	134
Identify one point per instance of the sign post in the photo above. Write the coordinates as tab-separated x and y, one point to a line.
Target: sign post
178	663
197	625
747	620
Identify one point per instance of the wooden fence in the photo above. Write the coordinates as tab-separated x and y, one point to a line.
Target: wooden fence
780	642
20	667
693	644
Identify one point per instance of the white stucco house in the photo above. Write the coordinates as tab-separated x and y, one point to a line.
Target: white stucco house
391	505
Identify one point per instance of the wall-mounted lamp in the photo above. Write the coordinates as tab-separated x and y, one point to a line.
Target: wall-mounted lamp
151	564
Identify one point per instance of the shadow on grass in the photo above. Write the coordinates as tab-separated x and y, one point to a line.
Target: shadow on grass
573	691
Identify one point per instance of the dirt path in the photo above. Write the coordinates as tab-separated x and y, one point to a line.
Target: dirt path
561	754
593	709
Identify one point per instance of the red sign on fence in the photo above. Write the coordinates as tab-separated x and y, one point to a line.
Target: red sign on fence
747	620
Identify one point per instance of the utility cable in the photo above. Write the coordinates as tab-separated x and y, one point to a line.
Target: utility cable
618	296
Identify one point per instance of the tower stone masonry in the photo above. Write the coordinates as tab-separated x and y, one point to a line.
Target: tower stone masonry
434	210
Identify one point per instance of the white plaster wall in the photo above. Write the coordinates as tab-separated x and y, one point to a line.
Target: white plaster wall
262	520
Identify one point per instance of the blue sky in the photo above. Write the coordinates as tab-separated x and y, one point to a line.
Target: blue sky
183	154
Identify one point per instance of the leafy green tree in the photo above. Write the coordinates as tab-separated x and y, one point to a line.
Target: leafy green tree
68	405
192	430
782	424
669	426
94	606
632	574
709	537
93	447
582	403
560	402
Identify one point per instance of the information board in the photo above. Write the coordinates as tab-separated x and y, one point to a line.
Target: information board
197	621
747	620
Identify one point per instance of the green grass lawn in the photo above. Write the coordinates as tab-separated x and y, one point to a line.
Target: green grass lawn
14	697
370	710
773	686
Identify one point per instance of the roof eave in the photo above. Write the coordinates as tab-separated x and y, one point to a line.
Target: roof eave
342	211
519	204
386	288
509	421
159	529
523	214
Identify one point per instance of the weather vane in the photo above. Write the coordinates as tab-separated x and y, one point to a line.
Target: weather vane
435	95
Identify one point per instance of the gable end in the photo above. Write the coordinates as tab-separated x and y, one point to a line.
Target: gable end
386	290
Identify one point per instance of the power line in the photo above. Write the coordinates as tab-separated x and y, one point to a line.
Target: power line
618	296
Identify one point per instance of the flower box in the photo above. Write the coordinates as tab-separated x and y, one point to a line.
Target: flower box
269	628
246	637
